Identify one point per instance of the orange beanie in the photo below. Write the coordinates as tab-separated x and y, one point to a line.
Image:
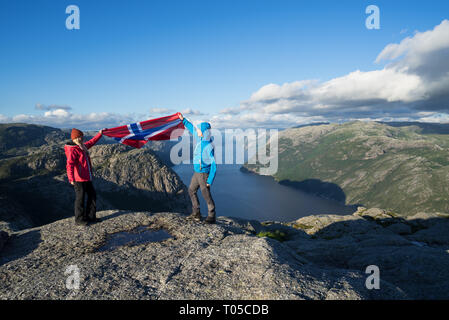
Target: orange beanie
76	134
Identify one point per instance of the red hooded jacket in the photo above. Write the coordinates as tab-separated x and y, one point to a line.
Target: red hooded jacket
79	166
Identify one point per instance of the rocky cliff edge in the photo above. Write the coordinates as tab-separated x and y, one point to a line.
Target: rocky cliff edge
140	255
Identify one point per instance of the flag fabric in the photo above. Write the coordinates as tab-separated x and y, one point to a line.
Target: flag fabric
139	133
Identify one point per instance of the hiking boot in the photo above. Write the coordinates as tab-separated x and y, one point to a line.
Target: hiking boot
210	219
81	223
195	216
94	220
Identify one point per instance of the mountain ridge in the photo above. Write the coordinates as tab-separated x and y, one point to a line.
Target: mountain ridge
371	164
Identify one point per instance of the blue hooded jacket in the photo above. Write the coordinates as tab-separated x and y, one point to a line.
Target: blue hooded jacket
203	156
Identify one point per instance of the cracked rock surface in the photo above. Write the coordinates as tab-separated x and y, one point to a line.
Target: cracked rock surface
199	261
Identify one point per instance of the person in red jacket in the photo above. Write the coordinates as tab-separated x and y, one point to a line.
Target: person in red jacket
79	173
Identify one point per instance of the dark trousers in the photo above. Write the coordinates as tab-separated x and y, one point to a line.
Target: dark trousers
81	190
199	181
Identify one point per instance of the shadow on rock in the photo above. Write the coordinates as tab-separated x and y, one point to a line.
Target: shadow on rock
309	258
116	214
19	245
50	199
411	252
131	198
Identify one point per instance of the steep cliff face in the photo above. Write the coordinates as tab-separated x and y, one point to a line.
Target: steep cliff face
139	255
368	163
161	149
35	191
137	179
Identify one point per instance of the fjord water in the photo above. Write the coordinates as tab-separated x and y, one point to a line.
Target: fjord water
250	196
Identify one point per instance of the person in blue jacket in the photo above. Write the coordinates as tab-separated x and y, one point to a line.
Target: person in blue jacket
205	168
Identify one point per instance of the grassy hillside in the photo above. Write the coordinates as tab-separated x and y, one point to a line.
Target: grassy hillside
374	164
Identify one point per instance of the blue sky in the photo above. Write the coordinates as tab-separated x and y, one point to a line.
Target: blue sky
130	57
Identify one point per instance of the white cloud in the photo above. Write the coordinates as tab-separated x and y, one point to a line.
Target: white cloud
273	91
191	112
22	118
417	46
412	85
261	120
4	119
231	111
161	111
40	106
387	84
415	79
58	113
64	119
435	118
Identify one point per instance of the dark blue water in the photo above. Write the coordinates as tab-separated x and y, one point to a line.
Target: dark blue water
261	198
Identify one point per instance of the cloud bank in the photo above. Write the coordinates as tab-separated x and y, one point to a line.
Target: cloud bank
161	111
413	85
61	118
40	106
192	112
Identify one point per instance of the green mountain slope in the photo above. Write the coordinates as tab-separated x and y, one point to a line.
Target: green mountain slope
374	164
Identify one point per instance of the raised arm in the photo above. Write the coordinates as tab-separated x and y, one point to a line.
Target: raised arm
189	126
89	144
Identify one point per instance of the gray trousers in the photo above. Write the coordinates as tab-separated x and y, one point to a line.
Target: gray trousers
199	180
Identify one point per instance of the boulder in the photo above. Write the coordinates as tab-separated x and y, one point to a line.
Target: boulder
374	213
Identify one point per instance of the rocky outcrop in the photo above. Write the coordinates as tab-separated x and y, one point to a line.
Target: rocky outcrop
161	149
34	189
411	253
140	255
136	179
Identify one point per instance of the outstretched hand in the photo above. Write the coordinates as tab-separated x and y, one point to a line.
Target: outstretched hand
101	131
180	116
199	132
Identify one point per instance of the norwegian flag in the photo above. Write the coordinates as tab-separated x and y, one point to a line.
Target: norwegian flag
137	134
